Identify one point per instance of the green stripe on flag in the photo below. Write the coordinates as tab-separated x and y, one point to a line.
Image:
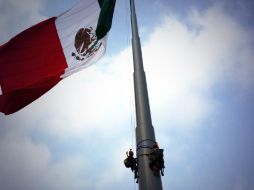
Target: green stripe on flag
105	18
101	2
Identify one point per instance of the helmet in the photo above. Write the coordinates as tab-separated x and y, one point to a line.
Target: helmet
131	153
155	145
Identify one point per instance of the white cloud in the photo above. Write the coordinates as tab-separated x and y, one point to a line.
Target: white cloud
26	165
16	16
184	60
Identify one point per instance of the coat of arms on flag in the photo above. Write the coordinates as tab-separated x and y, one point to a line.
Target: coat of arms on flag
86	44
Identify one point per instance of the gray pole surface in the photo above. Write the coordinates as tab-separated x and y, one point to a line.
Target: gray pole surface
145	136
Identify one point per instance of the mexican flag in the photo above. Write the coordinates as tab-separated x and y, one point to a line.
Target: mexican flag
38	58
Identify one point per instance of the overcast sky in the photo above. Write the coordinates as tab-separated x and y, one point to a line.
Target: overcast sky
199	60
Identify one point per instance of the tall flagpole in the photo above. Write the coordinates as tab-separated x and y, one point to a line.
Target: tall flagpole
145	136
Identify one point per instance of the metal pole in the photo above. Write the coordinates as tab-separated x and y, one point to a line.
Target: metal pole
145	136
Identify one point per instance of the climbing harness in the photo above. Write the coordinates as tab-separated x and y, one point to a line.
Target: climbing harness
155	155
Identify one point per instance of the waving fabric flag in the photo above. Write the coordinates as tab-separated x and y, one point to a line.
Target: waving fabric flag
38	58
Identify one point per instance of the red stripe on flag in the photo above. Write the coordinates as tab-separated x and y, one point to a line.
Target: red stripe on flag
13	101
31	63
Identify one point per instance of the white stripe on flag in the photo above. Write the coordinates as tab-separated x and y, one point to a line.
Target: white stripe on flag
82	16
1	90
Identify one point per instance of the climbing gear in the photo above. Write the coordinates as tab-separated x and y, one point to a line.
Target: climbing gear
131	162
126	163
157	160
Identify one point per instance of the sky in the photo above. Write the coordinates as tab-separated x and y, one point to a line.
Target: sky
199	62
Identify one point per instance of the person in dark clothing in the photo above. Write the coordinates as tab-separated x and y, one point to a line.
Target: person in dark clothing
131	162
157	160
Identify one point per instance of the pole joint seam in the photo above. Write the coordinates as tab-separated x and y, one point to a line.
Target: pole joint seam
144	141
